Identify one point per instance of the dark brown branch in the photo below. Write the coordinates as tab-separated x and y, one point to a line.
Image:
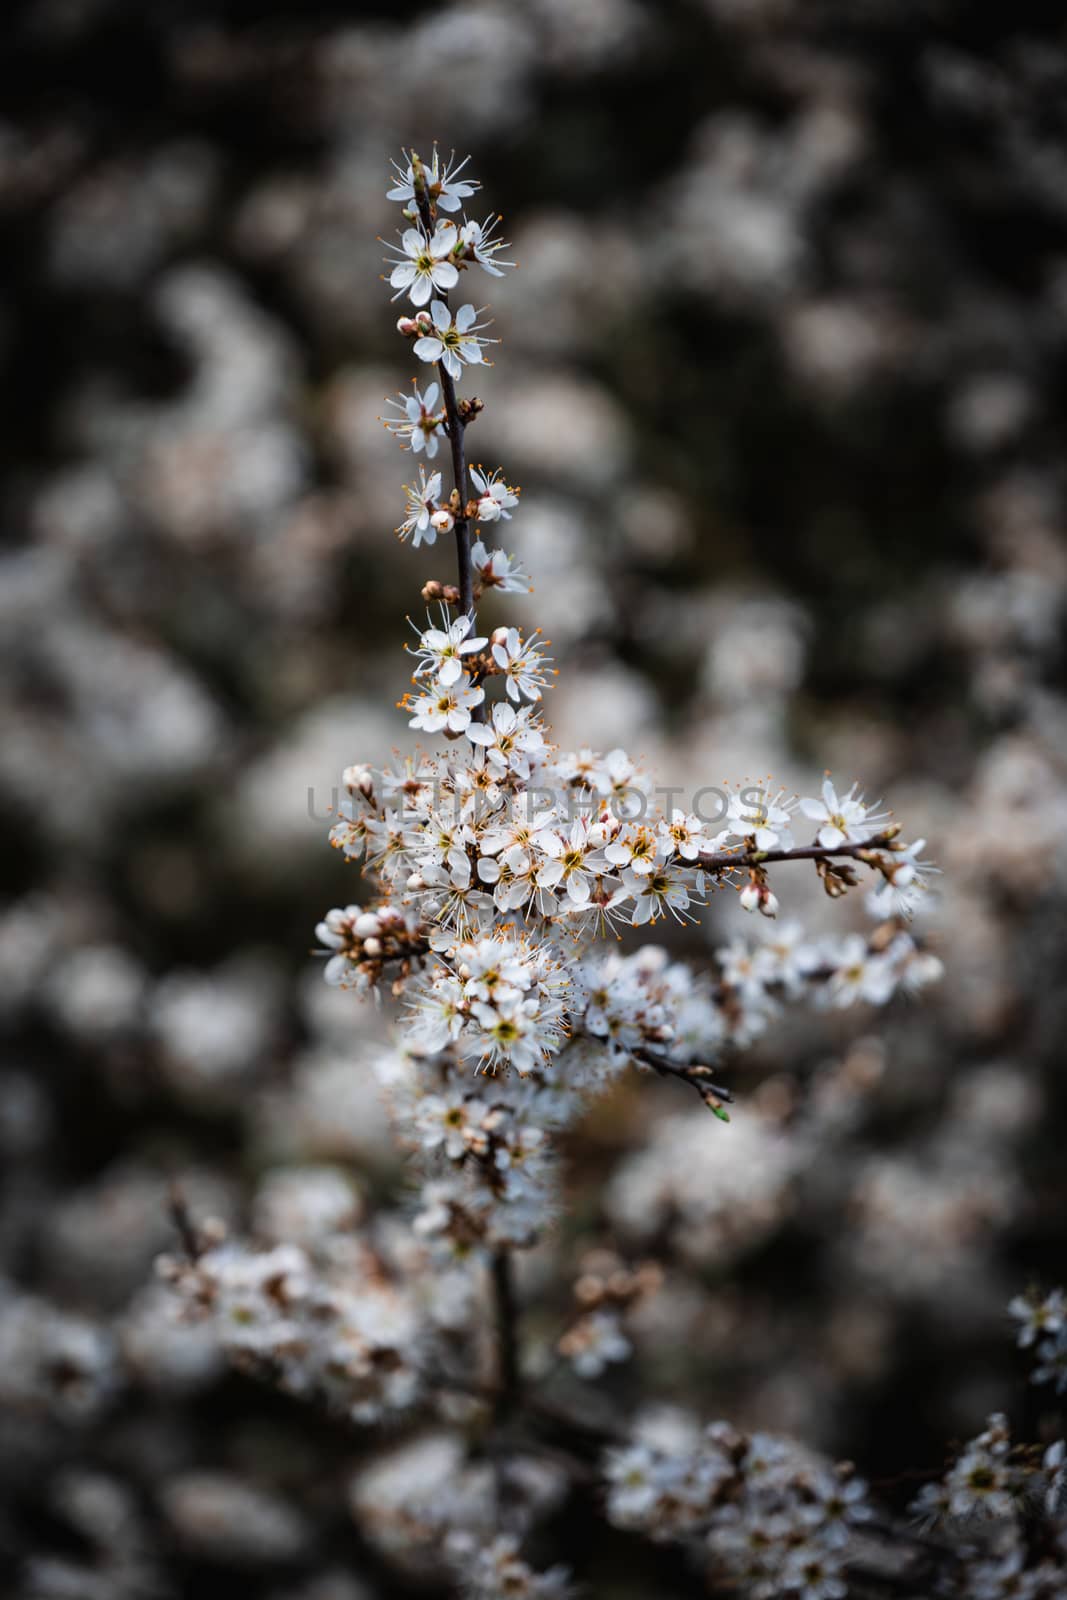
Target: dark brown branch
456	427
695	1073
182	1218
506	1318
725	859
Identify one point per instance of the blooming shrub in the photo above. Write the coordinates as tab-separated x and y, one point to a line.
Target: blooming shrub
504	870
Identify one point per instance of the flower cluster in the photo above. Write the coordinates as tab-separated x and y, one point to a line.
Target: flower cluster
774	1518
501	860
1043	1323
996	1497
498	863
337	1331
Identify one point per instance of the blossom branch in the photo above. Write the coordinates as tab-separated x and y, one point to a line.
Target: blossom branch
725	859
456	427
695	1073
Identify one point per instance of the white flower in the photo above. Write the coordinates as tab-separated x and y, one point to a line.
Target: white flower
451	1123
683	835
636	849
578	858
424	265
756	814
634	1475
446	188
419	421
422	503
844	820
448	708
455	340
1037	1316
616	777
439	1013
441	650
594	1342
495	570
904	885
508	738
522	663
513	1035
478	237
1052	1355
663	889
859	975
495	497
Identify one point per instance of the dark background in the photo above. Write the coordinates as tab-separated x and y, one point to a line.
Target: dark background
782	379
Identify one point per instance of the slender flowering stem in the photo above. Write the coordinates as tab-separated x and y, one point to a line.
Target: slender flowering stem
456	428
811	852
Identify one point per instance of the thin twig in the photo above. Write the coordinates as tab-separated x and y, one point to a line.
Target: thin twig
456	428
182	1218
808	852
695	1073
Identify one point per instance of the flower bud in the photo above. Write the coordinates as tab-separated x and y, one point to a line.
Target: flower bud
408	327
443	521
423	321
416	882
366	926
749	897
358	777
499	636
372	947
768	903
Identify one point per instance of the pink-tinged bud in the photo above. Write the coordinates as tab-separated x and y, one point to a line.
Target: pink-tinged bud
424	321
443	521
372	947
499	636
768	904
416	882
749	897
358	777
366	926
408	327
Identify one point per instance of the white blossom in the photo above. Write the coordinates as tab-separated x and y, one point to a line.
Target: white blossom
495	497
424	265
455	341
441	650
446	188
844	820
419	422
422	503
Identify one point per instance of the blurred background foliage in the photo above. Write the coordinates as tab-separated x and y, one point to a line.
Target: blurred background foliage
782	377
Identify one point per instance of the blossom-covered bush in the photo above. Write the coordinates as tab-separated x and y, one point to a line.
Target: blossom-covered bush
779	378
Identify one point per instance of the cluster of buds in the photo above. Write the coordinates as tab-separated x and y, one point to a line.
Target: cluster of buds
756	895
367	944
